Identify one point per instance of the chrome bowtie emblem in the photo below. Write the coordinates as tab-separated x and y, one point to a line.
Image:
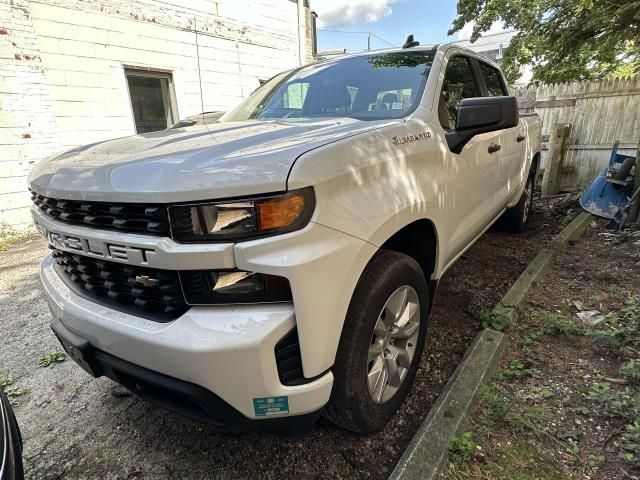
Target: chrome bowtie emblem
147	281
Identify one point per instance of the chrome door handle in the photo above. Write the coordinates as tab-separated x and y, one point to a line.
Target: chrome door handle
520	138
494	147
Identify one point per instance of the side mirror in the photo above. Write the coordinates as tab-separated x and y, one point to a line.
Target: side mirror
482	115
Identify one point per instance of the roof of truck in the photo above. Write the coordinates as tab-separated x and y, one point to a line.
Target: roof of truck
423	48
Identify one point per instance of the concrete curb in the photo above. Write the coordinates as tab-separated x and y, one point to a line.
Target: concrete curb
527	279
572	232
518	292
428	450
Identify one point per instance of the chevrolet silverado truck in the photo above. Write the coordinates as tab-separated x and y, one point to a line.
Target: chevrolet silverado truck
280	263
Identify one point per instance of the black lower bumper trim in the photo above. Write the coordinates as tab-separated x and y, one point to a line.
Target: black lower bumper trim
179	396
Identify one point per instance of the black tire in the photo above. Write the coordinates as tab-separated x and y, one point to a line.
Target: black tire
351	405
14	449
515	219
625	169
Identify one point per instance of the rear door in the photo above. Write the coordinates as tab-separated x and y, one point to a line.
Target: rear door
473	173
512	139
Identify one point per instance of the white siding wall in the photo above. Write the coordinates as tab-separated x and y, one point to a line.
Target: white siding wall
62	81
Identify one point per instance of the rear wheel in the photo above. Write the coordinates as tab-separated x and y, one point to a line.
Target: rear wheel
515	219
381	345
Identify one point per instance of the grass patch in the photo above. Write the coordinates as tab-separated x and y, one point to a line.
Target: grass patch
462	448
517	459
8	237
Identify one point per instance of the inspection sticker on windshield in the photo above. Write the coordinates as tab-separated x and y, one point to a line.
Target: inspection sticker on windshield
265	406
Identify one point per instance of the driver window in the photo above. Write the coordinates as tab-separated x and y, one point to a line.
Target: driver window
459	83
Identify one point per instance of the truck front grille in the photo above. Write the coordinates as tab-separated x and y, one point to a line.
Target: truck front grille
156	294
123	217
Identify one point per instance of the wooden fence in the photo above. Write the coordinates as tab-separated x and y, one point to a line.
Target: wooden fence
600	113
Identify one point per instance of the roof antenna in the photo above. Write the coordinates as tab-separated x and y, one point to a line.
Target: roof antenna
410	42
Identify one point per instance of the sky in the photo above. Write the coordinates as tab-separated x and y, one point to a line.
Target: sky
390	20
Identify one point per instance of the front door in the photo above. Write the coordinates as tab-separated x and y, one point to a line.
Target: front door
512	139
473	174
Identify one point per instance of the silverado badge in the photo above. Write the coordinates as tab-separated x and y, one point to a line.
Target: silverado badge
411	138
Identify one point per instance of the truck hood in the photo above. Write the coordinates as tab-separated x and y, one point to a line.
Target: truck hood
222	160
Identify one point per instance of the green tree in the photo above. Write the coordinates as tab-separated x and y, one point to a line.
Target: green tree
563	40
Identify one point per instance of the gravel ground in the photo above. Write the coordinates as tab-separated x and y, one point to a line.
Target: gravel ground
78	427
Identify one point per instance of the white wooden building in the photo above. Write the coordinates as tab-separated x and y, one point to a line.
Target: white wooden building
74	72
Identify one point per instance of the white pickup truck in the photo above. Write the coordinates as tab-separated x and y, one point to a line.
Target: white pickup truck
281	262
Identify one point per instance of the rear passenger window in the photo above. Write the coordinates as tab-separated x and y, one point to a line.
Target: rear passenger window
493	81
459	83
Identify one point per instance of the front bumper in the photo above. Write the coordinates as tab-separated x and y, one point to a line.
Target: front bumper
227	351
179	396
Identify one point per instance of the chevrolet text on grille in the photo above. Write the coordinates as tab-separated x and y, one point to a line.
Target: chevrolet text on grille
96	248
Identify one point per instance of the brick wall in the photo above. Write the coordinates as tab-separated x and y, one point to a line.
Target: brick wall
62	81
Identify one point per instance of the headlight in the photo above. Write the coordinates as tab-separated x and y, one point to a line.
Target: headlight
242	219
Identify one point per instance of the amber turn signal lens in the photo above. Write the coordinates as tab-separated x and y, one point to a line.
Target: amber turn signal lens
279	212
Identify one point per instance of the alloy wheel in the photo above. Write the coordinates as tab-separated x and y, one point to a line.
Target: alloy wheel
528	200
393	343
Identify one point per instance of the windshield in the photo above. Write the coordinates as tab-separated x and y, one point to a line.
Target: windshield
372	87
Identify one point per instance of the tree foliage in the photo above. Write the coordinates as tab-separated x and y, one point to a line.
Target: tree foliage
563	40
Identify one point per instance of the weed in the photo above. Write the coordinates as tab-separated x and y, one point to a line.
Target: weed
615	403
556	324
9	236
625	235
573	448
531	339
5	381
516	369
497	405
16	391
462	448
543	392
514	416
7	386
52	358
595	298
624	326
494	320
631	369
606	274
631	442
528	419
517	459
592	465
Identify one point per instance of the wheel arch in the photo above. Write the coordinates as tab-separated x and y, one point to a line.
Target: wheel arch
535	164
418	240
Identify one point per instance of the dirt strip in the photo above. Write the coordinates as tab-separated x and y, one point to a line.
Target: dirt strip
78	427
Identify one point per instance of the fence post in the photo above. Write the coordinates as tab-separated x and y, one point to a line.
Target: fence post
634	210
558	143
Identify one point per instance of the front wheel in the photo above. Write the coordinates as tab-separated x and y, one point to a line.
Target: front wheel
381	344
